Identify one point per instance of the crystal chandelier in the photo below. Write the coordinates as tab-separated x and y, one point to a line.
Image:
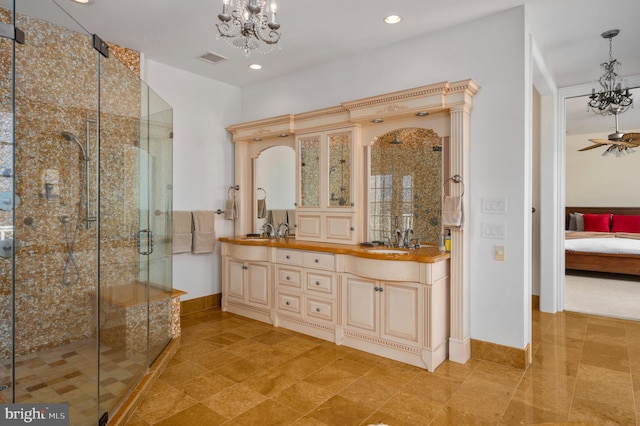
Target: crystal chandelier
251	25
613	96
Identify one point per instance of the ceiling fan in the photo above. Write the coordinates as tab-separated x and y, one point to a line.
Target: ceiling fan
621	144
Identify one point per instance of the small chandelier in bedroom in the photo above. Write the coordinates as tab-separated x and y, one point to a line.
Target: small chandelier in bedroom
612	95
249	25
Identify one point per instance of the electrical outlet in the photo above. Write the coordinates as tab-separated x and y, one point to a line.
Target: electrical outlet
499	253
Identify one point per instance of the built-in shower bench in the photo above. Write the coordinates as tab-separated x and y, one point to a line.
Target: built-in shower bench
123	315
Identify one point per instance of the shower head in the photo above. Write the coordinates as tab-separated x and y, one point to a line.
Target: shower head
72	138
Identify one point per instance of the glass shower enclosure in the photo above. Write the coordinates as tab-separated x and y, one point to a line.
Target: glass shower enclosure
85	216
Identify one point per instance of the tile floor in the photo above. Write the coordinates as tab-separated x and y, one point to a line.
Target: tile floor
234	371
68	374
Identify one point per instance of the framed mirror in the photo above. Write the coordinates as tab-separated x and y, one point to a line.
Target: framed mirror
274	183
405	184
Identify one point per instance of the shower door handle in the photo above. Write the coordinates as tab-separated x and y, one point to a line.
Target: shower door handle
149	234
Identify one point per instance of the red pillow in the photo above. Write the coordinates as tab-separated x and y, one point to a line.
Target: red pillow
597	222
625	223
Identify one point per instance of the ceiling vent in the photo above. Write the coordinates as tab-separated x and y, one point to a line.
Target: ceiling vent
213	58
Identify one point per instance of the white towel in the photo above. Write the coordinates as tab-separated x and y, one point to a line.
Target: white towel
291	220
278	217
204	236
452	211
231	209
181	232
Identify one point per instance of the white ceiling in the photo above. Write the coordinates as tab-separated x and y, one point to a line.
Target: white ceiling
177	32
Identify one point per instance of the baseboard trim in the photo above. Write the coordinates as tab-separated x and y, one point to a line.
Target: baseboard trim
535	302
505	355
212	301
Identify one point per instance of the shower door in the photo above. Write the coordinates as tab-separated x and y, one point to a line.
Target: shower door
85	218
134	222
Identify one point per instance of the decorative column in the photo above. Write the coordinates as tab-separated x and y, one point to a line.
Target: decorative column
459	340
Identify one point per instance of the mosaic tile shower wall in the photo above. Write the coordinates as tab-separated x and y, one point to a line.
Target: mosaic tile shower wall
406	182
57	91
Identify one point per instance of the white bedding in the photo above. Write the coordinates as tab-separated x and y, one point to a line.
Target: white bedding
603	245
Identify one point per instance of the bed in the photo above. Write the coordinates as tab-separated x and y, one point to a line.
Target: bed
612	249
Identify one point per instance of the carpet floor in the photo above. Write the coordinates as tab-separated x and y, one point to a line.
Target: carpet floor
610	295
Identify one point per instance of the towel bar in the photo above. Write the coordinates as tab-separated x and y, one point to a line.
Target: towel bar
456	179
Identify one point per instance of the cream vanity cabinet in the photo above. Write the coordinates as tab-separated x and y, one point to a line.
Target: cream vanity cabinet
247	280
306	292
397	309
326	201
381	309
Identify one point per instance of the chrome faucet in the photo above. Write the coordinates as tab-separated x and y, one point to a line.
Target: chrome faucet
399	239
279	234
406	240
267	226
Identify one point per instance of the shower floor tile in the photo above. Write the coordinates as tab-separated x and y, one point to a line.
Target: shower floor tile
69	373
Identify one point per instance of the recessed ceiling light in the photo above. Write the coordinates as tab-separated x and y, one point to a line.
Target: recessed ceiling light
392	19
422	113
81	1
283	135
377	120
255	66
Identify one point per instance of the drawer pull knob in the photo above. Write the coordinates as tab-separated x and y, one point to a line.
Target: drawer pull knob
288	278
317	260
381	289
317	282
287	303
317	309
288	257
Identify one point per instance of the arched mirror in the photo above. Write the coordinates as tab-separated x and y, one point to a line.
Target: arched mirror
275	184
405	185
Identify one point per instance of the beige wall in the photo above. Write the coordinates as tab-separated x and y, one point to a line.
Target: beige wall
597	181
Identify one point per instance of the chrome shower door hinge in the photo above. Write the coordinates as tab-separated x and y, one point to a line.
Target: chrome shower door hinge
11	32
100	45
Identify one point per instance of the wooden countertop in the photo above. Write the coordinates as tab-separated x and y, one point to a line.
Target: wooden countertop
425	254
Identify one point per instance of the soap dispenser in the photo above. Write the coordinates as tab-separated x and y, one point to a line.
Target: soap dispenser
447	241
441	246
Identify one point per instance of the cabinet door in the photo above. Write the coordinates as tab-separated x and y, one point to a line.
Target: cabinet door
340	227
235	280
258	284
309	170
309	226
361	304
340	161
401	309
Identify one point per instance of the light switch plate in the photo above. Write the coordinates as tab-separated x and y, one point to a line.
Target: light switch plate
499	253
494	205
494	230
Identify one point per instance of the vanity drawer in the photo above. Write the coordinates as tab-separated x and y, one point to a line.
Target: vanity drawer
318	260
320	309
289	257
291	277
289	303
319	282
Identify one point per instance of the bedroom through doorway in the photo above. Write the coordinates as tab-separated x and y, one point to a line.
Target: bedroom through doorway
602	275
